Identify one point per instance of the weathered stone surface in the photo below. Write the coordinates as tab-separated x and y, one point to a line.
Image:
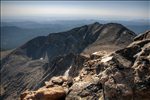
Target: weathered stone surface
143	36
127	75
121	75
41	58
54	93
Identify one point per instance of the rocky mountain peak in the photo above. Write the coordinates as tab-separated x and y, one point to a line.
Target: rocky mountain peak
96	23
43	57
103	76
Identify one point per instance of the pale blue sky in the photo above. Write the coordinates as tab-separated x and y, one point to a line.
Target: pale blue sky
76	9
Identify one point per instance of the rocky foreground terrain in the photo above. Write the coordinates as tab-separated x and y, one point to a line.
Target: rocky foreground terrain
121	75
86	63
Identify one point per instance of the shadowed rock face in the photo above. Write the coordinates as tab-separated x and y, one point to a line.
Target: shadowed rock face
76	40
127	75
143	36
121	75
43	57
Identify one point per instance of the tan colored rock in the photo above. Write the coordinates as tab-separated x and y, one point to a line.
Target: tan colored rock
57	80
49	84
54	93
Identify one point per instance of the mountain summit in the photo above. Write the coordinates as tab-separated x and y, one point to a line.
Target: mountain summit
121	75
77	40
41	58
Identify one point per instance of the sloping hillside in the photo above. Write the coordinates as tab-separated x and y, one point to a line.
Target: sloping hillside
121	75
30	65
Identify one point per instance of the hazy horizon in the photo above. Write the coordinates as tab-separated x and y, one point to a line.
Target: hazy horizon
75	10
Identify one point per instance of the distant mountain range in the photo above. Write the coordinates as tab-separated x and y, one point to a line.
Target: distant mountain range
15	34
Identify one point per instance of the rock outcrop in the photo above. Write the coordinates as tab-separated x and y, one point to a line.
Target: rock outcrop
127	75
55	93
121	75
64	53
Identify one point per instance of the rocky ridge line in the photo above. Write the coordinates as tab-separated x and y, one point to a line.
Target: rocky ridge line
122	75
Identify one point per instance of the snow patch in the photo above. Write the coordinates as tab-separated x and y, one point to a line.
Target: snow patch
41	58
95	53
105	59
124	32
67	71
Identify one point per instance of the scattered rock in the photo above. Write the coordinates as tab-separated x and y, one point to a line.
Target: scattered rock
44	57
121	75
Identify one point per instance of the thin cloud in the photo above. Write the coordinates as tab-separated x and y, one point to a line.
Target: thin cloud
13	9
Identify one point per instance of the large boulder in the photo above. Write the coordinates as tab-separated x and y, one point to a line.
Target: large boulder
54	93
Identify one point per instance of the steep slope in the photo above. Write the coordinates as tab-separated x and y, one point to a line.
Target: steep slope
28	30
5	53
121	75
46	56
112	37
